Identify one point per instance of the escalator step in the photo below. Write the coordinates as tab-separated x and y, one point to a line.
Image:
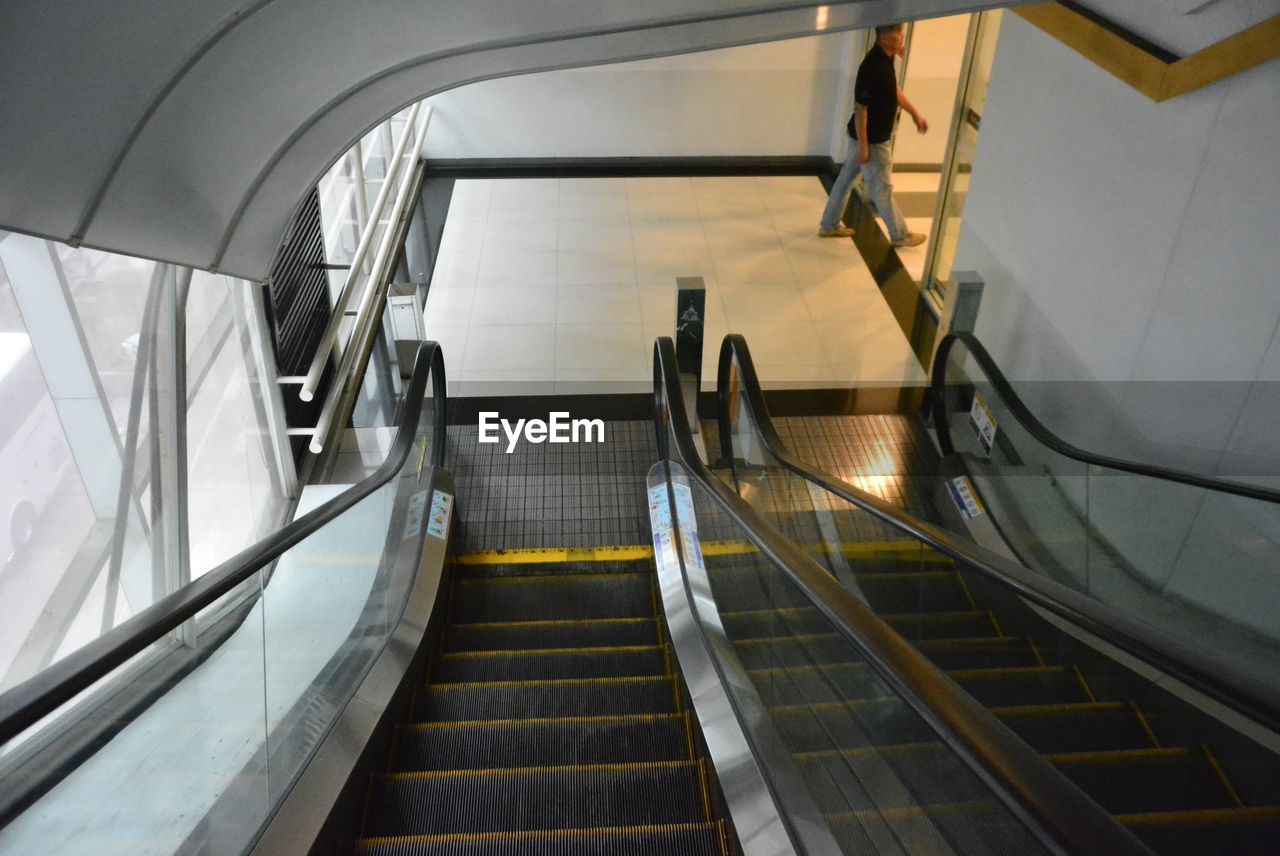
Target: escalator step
942	625
915	591
755	624
689	839
978	653
888	777
1022	685
549	664
540	742
551	634
537	799
526	700
552	597
933	830
1239	831
508	564
849	725
830	682
1055	728
1135	781
788	651
739	589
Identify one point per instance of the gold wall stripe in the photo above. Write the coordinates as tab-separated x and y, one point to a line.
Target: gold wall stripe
1151	75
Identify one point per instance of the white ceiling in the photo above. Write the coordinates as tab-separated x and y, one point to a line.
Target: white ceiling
188	130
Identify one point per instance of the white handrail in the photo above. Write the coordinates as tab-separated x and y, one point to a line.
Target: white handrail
363	325
330	337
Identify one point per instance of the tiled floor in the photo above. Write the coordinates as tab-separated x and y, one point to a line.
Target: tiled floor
561	285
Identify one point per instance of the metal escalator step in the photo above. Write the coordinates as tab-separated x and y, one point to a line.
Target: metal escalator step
549	664
801	650
817	683
684	839
540	742
933	830
1022	685
1055	728
479	801
978	653
551	597
914	591
564	633
741	589
534	699
1147	780
888	777
942	625
848	725
764	623
1236	831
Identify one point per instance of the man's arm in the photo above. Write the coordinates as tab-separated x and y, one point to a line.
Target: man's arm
860	119
921	124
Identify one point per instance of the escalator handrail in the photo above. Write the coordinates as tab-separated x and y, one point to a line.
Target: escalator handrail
1216	678
1037	429
28	702
1056	811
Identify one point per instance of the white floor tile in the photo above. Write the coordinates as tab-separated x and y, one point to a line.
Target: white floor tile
597	381
472	187
453	343
721	185
544	187
783	184
597	304
596	267
510	347
751	266
535	207
469	207
741	234
606	346
865	342
455	269
663	207
740	206
518	304
481	384
448	306
462	236
847	298
506	236
662	267
649	235
592	187
594	208
604	236
782	343
819	259
530	268
774	301
659	184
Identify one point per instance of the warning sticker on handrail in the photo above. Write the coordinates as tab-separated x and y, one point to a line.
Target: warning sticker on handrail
438	517
984	424
965	497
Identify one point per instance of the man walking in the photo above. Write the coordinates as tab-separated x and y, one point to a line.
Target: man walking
877	98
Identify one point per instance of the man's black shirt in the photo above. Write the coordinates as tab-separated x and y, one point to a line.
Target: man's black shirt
876	88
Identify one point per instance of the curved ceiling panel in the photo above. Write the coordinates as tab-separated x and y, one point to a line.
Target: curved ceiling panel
188	131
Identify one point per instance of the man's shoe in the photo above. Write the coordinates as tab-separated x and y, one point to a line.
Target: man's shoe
840	231
913	239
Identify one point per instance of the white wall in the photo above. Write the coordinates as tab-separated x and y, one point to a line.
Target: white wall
1135	243
779	98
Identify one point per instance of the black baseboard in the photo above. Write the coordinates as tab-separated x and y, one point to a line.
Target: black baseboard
627	167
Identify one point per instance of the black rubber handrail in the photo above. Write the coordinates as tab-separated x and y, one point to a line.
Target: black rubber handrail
1020	411
1217	678
28	702
1054	808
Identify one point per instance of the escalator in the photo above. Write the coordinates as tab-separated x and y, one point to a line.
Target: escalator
1160	755
550	720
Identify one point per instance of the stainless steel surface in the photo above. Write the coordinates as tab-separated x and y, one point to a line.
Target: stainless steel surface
699	642
301	816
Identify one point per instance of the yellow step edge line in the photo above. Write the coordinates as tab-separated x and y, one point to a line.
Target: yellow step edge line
1117	755
445	725
550	682
821	668
551	555
498	772
550	622
866	752
1050	709
538	652
534	834
549	579
774	640
912	811
1206	815
965	640
888	616
1005	671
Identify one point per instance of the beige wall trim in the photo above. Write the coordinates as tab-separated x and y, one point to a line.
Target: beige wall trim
1151	75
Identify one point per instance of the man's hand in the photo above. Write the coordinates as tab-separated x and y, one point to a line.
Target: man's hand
864	152
922	124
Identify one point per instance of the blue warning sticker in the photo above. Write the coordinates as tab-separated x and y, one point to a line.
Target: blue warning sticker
965	497
438	517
